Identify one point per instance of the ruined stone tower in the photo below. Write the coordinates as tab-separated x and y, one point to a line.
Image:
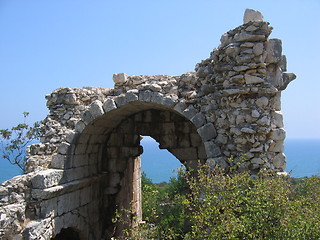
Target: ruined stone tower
87	163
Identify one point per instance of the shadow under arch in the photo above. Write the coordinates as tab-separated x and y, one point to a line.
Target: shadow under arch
109	146
67	234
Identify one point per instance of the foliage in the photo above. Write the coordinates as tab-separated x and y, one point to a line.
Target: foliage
162	206
230	205
15	141
239	206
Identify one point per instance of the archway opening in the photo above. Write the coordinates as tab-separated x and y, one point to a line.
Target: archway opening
109	149
158	164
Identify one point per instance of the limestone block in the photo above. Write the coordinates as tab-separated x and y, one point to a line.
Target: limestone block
212	149
287	78
70	98
70	135
131	96
262	102
277	134
109	105
120	78
80	126
64	148
239	69
249	37
279	161
277	119
48	208
255	113
39	229
258	49
251	15
145	96
123	99
247	130
58	161
154	87
253	79
232	50
68	202
264	121
157	97
207	132
47	178
273	52
198	120
190	112
180	107
169	101
96	109
222	139
87	117
276	146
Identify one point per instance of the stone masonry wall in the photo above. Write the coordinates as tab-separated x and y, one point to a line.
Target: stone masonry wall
87	164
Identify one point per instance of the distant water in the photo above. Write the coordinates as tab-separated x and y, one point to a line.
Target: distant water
303	159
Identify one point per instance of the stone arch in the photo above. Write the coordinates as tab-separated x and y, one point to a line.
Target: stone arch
107	150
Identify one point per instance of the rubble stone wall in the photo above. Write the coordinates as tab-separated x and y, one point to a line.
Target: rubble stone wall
87	164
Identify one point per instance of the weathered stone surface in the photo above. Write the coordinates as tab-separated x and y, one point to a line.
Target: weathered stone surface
253	79
277	134
207	132
96	109
273	51
279	161
63	148
251	15
47	178
109	105
212	149
119	78
262	102
249	37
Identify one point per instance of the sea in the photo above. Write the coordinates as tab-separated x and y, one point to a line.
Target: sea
303	159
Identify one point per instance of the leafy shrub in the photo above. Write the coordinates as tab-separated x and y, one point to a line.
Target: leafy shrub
163	207
240	206
233	205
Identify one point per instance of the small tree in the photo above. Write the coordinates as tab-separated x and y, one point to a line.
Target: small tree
15	141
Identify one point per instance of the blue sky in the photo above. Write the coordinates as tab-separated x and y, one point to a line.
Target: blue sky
45	45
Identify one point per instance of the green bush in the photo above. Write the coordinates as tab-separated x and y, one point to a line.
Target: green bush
239	206
163	207
234	205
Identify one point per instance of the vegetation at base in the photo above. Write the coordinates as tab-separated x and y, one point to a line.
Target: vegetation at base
233	205
14	141
163	208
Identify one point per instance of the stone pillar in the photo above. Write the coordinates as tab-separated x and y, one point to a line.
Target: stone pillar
243	80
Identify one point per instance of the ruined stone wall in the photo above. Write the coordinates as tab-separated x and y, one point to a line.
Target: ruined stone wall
86	164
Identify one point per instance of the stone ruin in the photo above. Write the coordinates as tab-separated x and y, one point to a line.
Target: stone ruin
87	164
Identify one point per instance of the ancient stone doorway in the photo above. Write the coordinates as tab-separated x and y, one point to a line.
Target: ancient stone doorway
122	153
110	147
